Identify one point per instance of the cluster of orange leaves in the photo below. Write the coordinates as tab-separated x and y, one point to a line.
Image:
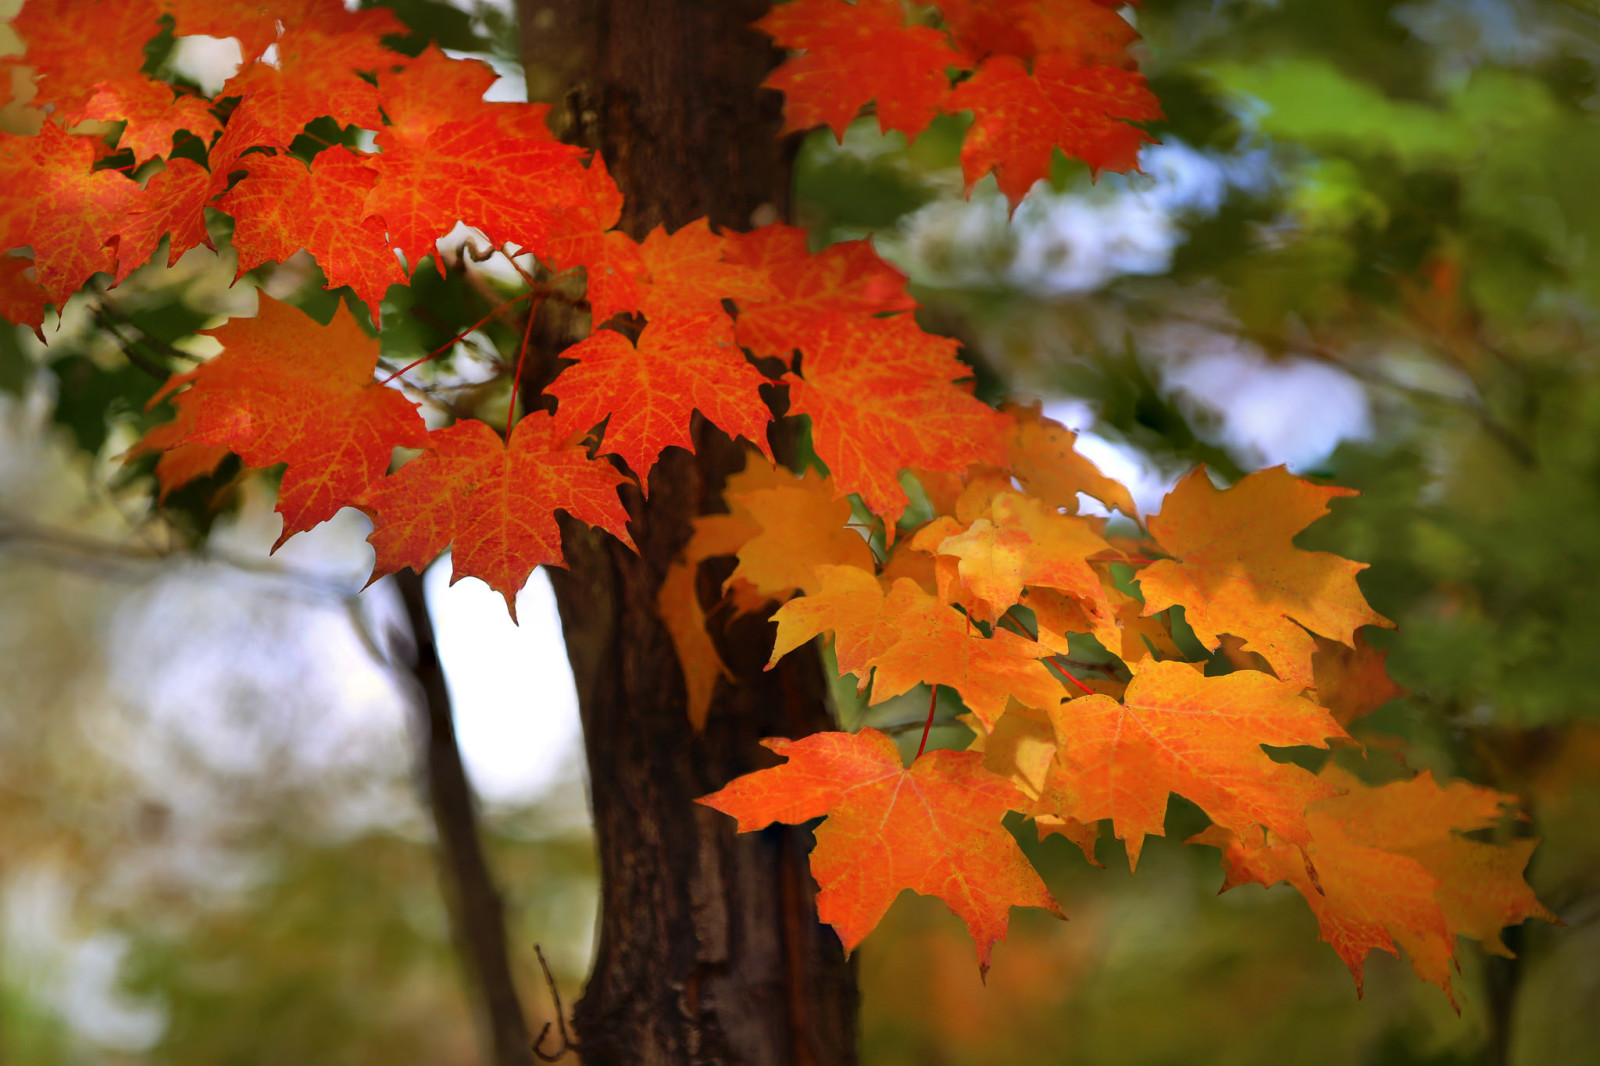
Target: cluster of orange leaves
981	599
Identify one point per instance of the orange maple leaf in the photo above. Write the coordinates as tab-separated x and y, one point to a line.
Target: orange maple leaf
800	524
494	503
1235	568
880	395
1176	730
1020	119
935	829
853	54
1388	865
910	637
1352	681
286	390
1041	453
847	278
649	390
1029	543
678	606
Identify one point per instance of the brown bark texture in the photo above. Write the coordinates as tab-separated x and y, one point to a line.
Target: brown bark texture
709	947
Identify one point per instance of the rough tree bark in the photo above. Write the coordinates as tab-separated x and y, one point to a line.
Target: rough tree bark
709	947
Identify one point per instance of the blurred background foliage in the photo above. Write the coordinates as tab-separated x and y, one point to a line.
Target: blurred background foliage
1368	245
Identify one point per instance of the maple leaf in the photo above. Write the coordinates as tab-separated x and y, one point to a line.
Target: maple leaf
172	205
500	171
689	274
428	92
581	234
254	23
855	53
1176	730
799	526
70	210
910	637
286	390
75	46
1352	681
1028	543
846	278
1388	865
1021	118
493	503
881	399
282	206
649	390
1041	453
1020	747
21	299
1085	30
678	605
935	829
1235	568
154	113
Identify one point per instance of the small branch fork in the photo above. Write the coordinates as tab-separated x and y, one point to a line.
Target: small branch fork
567	1043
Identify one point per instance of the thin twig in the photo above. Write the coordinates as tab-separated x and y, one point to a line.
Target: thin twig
567	1043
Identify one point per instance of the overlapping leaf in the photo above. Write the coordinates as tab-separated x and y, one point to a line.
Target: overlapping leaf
1387	866
493	503
286	390
881	399
1176	730
934	828
1021	118
647	392
1235	569
854	54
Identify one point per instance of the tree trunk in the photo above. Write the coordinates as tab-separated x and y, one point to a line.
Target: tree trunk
709	950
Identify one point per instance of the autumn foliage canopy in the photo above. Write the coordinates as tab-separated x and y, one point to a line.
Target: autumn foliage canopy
936	540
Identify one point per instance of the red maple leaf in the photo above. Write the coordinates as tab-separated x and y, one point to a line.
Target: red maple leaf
935	829
286	390
500	171
848	278
1086	30
880	395
689	273
493	503
21	299
74	46
154	115
649	390
1020	119
70	213
853	54
173	205
282	205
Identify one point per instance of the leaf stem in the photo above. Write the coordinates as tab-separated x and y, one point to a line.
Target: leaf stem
933	703
456	339
516	378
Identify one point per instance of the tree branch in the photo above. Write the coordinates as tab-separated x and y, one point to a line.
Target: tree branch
475	903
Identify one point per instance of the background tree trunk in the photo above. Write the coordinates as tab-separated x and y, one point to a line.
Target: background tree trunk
709	950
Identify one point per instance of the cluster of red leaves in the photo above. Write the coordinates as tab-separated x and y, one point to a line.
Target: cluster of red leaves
1037	75
983	599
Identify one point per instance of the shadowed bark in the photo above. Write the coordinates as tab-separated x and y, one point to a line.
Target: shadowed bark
709	949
